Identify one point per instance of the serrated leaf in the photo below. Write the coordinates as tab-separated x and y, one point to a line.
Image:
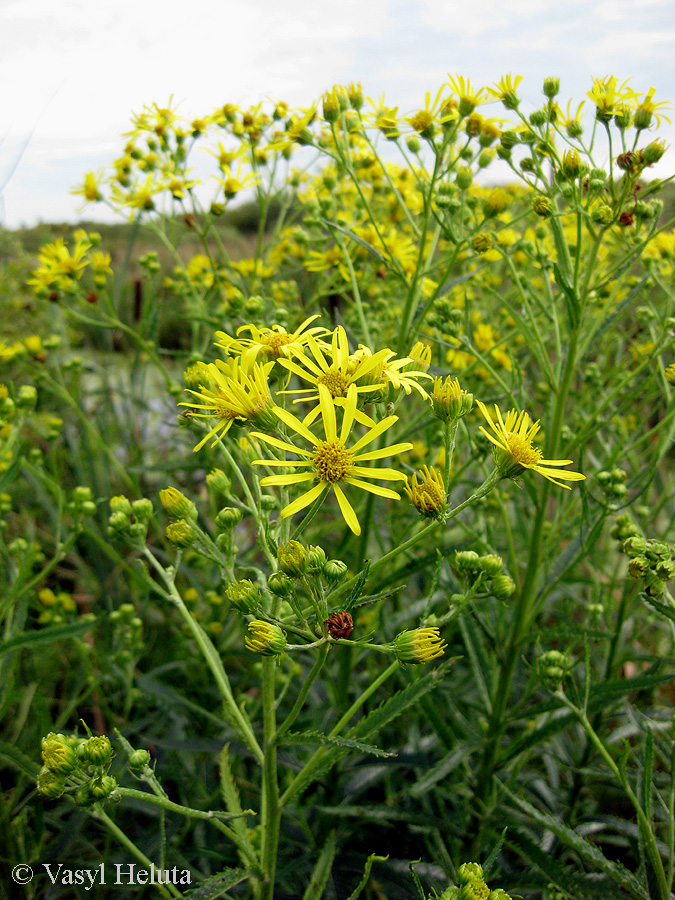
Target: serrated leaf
554	871
356	893
46	636
375	814
586	850
494	853
217	884
18	760
358	587
322	870
315	737
437	772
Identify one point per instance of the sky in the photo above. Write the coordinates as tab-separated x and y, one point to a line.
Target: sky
73	71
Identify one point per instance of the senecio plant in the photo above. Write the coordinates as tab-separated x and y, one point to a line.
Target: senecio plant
409	570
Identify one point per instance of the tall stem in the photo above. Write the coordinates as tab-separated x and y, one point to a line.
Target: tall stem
270	807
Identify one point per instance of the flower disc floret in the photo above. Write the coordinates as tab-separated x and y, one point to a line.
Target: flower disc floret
514	450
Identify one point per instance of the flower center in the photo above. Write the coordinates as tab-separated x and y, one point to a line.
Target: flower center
522	450
274	342
332	461
335	381
429	496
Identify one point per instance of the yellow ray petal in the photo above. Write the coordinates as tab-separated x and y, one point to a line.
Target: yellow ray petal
374	488
303	501
384	452
347	510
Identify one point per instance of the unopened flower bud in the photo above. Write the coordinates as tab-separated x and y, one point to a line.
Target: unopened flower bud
292	558
57	755
97	751
469	872
334	570
634	546
243	595
490	564
467	561
602	214
571	164
228	518
120	504
265	638
541	206
653	152
219	482
102	788
316	559
665	569
464	178
27	397
503	587
142	509
181	533
177	504
139	759
419	646
50	784
482	242
551	86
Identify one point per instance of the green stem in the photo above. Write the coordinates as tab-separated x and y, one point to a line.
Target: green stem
271	807
304	691
169	805
167	891
643	822
213	661
318	756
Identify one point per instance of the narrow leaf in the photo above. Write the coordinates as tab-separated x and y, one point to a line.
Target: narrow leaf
216	885
356	893
41	636
322	870
315	737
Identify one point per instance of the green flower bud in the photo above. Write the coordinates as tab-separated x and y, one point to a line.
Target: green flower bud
481	242
101	788
121	505
139	759
265	638
490	564
658	550
243	595
228	518
469	872
653	152
538	118
26	398
419	646
177	504
334	570
50	784
503	587
413	143
181	533
551	86
541	205
602	214
551	667
292	558
464	178
665	569
474	890
280	585
498	894
634	546
268	502
571	164
57	755
97	751
316	559
143	509
467	561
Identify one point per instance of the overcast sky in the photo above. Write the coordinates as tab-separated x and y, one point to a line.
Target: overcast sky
72	71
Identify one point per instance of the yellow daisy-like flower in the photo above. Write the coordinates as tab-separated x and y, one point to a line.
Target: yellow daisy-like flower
515	451
235	391
336	370
428	494
330	463
272	343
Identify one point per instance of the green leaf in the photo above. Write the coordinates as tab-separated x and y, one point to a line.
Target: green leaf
587	851
32	639
358	587
322	870
356	893
494	853
357	239
438	772
216	885
315	737
18	760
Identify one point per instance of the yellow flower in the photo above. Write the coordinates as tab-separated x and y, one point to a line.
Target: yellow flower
506	90
236	391
468	98
419	646
336	373
330	463
428	494
427	121
608	97
90	189
515	451
232	184
272	343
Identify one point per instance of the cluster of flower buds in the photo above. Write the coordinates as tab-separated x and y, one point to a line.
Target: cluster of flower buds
489	568
613	483
551	668
78	767
127	633
130	520
651	561
295	561
471	885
